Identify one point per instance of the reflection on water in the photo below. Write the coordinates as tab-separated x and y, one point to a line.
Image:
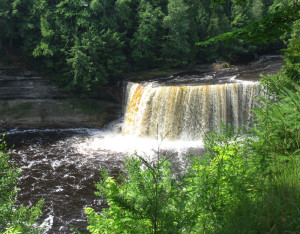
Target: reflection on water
61	166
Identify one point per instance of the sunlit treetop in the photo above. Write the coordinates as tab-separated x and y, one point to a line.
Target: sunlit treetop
270	27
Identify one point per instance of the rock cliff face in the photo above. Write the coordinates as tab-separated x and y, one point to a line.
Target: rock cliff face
28	100
22	87
19	83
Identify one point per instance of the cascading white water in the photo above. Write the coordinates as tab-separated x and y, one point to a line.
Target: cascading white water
187	112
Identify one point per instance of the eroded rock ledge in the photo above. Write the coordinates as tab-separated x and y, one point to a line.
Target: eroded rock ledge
28	100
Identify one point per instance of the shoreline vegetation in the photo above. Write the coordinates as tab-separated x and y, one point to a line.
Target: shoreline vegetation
249	186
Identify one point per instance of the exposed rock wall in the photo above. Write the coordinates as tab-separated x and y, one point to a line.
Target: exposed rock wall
50	113
17	83
28	100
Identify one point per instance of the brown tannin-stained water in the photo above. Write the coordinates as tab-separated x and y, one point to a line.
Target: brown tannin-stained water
61	166
54	170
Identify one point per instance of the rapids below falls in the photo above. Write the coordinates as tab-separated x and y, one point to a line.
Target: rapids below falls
171	114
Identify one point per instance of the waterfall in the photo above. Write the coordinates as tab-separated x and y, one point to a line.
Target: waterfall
186	112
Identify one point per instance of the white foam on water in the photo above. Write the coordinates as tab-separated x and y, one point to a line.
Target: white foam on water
128	145
47	224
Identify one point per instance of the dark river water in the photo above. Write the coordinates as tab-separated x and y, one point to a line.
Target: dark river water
54	170
61	166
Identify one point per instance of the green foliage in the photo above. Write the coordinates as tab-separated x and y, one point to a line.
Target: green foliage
145	43
271	27
177	23
150	199
274	83
276	208
277	129
278	120
274	150
87	44
289	76
257	9
145	200
93	59
92	50
292	54
224	137
13	218
218	186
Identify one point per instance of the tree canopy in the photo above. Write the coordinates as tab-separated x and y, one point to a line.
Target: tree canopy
270	27
86	44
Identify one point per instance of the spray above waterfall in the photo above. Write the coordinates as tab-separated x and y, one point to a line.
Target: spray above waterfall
187	112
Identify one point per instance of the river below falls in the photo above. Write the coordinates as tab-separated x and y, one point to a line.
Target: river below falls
61	166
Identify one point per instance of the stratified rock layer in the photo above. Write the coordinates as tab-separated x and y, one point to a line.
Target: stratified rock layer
28	100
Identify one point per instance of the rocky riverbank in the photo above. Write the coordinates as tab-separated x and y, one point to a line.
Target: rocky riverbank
28	100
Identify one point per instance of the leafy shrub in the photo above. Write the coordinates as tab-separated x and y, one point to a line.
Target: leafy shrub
224	137
275	209
277	130
218	186
150	199
274	83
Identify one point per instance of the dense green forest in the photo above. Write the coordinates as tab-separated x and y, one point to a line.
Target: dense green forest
88	43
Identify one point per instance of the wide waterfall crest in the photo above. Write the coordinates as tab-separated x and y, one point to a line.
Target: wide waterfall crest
187	112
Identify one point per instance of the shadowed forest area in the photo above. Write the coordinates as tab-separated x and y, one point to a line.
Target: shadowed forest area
86	44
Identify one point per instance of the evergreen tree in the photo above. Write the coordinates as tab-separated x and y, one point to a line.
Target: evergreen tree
146	34
93	58
146	39
176	48
92	48
18	23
